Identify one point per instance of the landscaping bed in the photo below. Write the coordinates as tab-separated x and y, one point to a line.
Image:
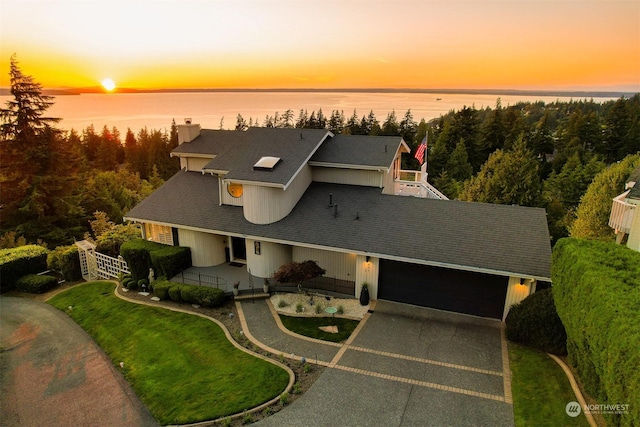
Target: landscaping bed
228	316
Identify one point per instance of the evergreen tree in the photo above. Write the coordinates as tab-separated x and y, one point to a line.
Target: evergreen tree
592	216
508	178
408	128
391	127
241	123
458	166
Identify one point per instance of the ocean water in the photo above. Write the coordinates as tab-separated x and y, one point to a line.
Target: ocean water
214	110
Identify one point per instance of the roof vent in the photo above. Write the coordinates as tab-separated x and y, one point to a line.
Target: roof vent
267	163
187	121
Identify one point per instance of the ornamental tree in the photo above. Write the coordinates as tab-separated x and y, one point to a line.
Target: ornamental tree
298	272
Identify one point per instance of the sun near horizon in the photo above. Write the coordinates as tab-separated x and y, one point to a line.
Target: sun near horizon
108	85
249	44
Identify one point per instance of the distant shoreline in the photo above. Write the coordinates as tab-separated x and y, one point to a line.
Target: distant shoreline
579	94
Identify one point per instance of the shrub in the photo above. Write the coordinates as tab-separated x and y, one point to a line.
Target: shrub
340	309
110	242
597	293
282	304
318	309
17	262
534	322
161	288
299	307
65	259
170	260
129	283
202	295
297	388
136	254
284	398
36	284
167	261
143	283
174	292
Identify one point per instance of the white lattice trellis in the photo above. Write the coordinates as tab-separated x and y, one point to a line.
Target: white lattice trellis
95	265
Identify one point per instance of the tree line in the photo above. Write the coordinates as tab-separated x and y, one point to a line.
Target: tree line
54	181
530	154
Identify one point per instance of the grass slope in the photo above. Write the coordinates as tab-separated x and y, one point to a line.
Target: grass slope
308	326
540	390
181	366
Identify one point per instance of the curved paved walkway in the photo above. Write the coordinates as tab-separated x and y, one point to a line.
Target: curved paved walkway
403	366
54	374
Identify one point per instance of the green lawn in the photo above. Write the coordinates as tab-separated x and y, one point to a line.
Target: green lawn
540	390
181	366
308	326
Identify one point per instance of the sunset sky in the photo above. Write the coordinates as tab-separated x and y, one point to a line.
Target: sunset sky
507	44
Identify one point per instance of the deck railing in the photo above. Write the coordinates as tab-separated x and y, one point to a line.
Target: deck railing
621	214
414	183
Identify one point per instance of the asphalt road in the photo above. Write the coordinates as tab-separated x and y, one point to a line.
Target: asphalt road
53	374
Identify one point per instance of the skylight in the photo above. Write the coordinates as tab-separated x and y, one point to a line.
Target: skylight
267	163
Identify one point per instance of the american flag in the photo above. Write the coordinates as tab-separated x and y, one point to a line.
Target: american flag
421	149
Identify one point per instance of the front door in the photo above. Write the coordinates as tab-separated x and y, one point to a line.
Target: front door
239	249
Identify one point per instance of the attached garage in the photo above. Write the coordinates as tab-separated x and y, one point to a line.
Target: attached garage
445	289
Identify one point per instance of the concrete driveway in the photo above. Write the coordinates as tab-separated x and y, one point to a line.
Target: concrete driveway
53	373
411	366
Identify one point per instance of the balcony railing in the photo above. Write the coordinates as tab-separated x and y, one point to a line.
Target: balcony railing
414	183
621	214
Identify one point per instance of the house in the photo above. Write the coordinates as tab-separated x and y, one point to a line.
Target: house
625	215
265	197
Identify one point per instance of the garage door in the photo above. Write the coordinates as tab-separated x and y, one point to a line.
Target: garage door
452	290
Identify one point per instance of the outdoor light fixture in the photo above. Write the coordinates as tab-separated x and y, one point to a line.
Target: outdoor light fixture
368	258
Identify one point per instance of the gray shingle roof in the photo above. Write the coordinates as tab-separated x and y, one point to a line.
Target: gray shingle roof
474	236
237	152
377	151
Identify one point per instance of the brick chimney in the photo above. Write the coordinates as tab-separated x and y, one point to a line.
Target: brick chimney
188	132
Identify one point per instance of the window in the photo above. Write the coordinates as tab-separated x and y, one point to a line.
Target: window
159	233
234	189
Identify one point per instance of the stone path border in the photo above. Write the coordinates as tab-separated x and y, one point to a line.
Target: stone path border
576	389
506	373
292	376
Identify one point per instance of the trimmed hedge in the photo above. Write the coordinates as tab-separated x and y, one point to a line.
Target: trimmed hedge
35	284
17	262
175	291
65	259
534	322
192	294
597	295
202	295
167	261
136	254
161	288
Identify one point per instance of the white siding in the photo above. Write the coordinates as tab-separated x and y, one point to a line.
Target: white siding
206	249
271	257
338	265
367	272
226	198
193	163
390	177
266	205
517	292
633	241
348	176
